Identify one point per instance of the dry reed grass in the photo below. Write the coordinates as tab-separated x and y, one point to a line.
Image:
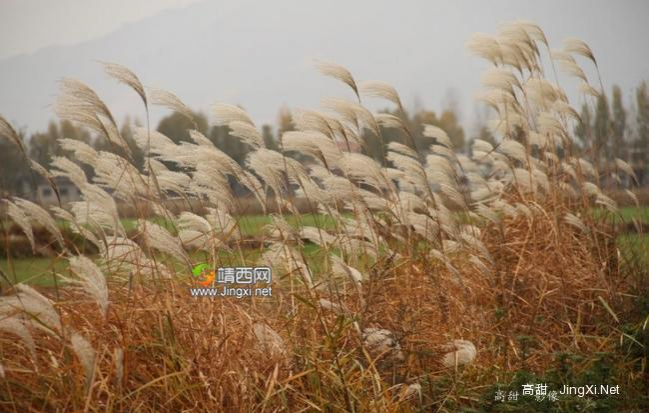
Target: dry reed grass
416	285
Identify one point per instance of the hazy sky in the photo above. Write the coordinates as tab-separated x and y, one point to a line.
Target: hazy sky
28	25
258	53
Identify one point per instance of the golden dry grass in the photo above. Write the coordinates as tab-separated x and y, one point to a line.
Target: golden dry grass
504	259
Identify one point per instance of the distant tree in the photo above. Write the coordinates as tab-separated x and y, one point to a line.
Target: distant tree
375	146
602	130
481	128
641	147
43	146
135	155
176	126
285	124
284	121
618	124
484	134
233	147
584	127
15	175
269	139
127	133
69	130
419	119
415	124
449	122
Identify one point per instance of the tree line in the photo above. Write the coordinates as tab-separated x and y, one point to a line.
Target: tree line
42	146
610	130
607	130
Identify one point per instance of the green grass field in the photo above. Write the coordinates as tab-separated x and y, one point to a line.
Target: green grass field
36	271
39	271
627	214
251	225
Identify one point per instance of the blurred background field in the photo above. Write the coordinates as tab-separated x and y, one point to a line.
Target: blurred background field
39	270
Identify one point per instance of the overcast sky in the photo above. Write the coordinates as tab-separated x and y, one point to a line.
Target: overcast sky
29	25
258	54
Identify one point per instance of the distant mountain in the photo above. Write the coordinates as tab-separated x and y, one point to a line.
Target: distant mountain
257	54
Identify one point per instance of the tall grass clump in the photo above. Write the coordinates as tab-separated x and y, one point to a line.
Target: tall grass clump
438	272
